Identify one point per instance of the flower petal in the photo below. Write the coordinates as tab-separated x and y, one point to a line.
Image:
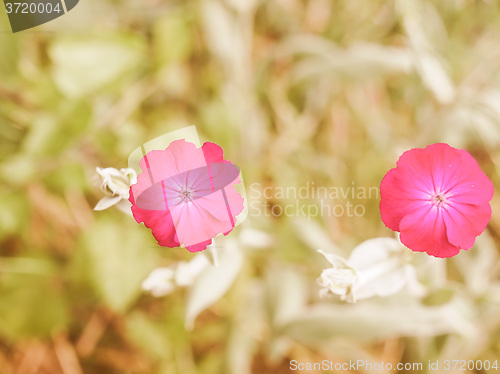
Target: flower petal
438	198
177	197
213	153
186	156
161	224
472	186
399	196
464	222
107	202
199	246
424	230
203	219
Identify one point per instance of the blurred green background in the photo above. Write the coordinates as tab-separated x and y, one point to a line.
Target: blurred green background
295	92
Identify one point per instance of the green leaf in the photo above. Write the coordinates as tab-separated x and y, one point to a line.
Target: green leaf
14	211
27	265
287	293
214	281
371	320
19	169
83	65
439	297
172	38
10	54
51	135
119	258
30	306
148	335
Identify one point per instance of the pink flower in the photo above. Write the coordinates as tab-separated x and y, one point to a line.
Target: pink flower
437	198
186	195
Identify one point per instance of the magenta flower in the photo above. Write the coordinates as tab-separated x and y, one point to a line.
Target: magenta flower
186	195
437	198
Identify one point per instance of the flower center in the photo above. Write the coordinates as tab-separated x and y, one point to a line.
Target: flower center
438	199
186	194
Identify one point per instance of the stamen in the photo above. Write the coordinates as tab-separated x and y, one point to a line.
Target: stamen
438	199
186	194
